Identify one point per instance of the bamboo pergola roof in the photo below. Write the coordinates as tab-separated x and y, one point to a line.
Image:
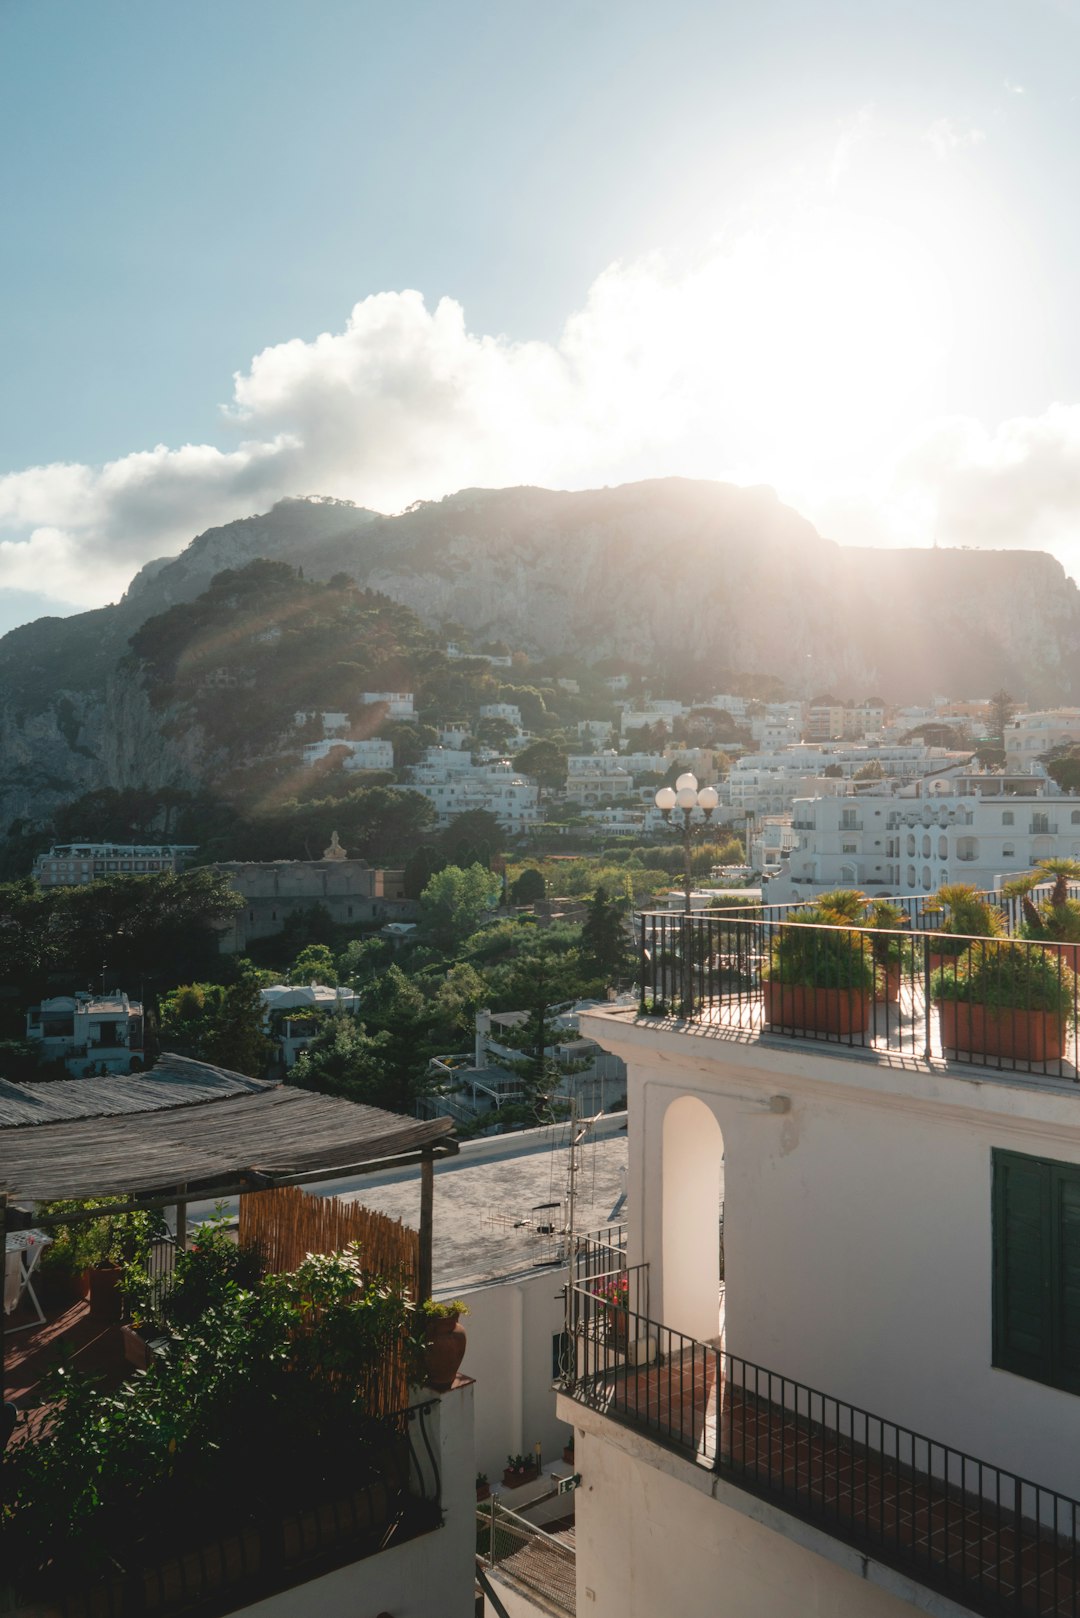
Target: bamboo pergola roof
187	1129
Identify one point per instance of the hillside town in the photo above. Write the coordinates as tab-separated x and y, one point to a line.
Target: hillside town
540	810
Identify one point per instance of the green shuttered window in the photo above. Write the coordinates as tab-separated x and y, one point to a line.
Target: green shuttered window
1037	1269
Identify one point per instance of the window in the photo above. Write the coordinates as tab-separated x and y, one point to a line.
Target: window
849	848
1036	1306
1075	817
1007	818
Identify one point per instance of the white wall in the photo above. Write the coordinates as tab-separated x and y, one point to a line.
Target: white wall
858	1227
649	1543
510	1326
429	1577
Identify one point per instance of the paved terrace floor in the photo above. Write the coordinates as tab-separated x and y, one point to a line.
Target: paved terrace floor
896	1029
942	1537
72	1337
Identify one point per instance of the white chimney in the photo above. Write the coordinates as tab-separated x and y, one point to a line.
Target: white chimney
483	1029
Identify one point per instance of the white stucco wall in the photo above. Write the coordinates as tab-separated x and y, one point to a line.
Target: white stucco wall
857	1227
429	1577
510	1326
650	1543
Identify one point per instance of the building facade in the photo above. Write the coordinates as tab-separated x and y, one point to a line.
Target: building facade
273	890
71	864
90	1034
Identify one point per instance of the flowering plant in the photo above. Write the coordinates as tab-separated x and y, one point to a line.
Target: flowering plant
615	1292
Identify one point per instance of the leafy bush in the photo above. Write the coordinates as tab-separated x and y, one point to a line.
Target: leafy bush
817	951
1008	976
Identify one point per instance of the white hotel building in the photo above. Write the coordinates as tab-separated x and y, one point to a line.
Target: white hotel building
973	829
450	780
767	783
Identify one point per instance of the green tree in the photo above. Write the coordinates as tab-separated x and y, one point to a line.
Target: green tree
872	770
476	833
457	1000
529	888
396	1006
545	761
420	867
456	901
1065	770
218	1023
314	964
345	1060
1002	709
603	938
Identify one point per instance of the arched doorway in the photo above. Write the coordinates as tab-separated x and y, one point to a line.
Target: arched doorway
693	1178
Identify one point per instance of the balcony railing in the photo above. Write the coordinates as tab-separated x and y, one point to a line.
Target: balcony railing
991	1540
999	1003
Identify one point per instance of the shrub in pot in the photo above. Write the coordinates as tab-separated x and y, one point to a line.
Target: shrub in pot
1005	1000
1053	919
959	911
820	975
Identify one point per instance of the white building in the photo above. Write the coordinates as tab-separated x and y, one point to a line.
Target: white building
294	1014
773	840
334	722
597	778
597	732
90	1034
70	864
860	1430
1029	735
502	710
769	782
373	753
453	784
398	704
499	660
973	829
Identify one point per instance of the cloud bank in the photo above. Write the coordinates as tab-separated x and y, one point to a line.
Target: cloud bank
752	364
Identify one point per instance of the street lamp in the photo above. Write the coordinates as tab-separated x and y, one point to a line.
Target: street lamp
687	796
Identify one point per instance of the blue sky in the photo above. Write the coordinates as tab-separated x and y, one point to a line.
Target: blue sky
825	244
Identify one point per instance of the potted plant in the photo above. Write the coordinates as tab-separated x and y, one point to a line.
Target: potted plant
960	912
483	1487
519	1470
444	1347
614	1295
886	919
1006	1000
1053	920
820	975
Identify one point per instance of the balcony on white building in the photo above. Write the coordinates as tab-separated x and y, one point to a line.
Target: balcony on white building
831	1366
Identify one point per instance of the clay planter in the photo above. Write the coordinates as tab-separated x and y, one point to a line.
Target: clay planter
483	1492
1016	1035
445	1351
513	1479
819	1011
568	1454
890	979
106	1299
616	1325
136	1348
1070	954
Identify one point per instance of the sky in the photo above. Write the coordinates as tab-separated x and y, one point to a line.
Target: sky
384	252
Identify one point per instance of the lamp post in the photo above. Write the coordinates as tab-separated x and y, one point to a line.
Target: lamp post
687	796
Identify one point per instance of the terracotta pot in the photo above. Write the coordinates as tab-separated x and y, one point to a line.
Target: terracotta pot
568	1454
890	979
1022	1036
106	1299
136	1348
820	1011
1070	954
445	1351
483	1491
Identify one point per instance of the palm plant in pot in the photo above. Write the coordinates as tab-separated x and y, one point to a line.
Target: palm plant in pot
959	911
893	954
1053	919
1005	999
820	974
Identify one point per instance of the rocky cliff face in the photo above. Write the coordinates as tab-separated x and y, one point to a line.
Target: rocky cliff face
641	570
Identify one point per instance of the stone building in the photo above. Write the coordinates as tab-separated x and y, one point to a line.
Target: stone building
273	890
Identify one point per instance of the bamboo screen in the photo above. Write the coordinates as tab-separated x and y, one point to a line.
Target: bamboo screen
286	1224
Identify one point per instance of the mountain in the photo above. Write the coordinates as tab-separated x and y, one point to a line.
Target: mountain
670	573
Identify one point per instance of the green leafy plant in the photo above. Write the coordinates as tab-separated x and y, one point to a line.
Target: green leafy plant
960	910
1054	918
816	950
1008	976
431	1310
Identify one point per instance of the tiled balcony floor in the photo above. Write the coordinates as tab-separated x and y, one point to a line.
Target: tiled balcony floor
942	1537
897	1028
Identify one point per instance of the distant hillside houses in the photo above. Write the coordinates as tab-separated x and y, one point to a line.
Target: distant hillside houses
454	784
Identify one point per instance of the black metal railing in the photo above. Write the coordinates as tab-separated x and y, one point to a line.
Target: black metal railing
985	1536
1005	1003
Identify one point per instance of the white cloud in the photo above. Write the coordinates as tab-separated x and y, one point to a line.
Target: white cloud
946	135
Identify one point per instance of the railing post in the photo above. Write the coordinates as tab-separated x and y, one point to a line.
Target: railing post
927	1043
